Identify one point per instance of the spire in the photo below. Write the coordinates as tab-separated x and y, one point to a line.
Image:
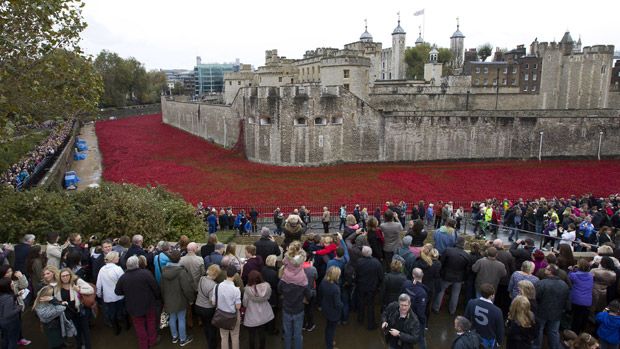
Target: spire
366	37
420	39
398	29
457	33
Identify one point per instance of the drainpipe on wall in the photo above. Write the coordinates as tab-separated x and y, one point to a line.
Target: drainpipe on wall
600	141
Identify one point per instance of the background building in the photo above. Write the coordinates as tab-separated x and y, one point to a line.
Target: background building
209	78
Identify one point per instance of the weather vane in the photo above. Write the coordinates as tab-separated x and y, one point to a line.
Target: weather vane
398	13
366	23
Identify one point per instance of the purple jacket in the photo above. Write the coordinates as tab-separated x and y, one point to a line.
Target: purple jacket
581	293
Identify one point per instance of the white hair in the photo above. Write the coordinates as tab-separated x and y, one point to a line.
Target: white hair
366	251
137	238
132	263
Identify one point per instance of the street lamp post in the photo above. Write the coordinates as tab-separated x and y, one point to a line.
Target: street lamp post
540	146
600	141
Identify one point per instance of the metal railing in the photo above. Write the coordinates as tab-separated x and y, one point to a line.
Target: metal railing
507	229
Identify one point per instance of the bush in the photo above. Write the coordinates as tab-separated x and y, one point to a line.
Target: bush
109	211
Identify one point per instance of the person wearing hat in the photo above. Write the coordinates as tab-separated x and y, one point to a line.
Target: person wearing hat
266	245
293	230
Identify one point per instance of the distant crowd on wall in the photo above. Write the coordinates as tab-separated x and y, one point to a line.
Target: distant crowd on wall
575	220
18	173
514	295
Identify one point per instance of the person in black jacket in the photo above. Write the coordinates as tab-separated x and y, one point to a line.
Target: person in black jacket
141	296
400	325
455	263
552	296
21	251
10	323
293	297
270	275
466	337
419	294
369	276
392	284
266	245
522	254
331	304
486	318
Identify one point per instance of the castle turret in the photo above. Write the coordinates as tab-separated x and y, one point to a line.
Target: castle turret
457	46
433	69
419	41
398	52
366	37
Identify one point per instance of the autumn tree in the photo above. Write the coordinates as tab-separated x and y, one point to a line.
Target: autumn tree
43	72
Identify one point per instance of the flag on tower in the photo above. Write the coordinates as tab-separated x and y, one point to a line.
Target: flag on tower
419	13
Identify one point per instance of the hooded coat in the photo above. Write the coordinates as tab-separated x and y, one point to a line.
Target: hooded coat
177	290
258	311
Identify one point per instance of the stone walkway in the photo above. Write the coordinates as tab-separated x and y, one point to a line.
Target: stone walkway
89	170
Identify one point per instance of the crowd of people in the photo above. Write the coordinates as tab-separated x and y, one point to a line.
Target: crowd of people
393	274
18	173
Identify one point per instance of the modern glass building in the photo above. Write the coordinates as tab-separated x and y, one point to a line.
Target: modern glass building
209	78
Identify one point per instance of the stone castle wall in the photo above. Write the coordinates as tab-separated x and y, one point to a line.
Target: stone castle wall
215	123
314	125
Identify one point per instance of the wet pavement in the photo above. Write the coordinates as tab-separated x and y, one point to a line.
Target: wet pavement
349	336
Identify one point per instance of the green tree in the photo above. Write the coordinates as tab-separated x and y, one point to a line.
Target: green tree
110	211
126	81
484	51
178	89
41	62
416	57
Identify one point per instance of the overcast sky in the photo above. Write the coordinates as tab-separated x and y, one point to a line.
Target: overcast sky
170	34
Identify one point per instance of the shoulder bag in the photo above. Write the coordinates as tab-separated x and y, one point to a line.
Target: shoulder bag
222	319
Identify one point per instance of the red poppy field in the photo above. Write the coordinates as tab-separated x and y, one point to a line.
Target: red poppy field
143	150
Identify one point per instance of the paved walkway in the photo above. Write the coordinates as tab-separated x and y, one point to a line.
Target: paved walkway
89	170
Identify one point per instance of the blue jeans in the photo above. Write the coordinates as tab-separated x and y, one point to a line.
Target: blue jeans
343	223
553	333
454	295
291	326
422	340
178	331
539	227
514	234
212	229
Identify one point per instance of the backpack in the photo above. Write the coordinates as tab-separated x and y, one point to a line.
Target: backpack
380	236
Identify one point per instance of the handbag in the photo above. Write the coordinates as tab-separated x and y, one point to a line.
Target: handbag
222	319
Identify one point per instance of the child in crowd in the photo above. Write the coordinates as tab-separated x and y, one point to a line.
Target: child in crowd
293	272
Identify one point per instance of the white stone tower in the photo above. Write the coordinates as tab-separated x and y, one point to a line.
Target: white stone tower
457	46
398	52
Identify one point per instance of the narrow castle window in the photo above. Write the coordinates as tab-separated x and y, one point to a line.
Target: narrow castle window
265	121
280	79
346	86
320	121
337	120
300	122
346	73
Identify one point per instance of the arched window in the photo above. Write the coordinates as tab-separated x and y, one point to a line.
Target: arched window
300	122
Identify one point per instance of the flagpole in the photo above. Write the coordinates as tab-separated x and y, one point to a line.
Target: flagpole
424	25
